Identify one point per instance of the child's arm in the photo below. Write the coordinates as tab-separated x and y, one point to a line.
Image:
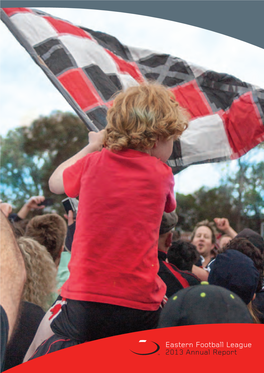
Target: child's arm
95	144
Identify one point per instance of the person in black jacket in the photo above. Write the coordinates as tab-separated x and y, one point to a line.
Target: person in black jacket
174	278
28	321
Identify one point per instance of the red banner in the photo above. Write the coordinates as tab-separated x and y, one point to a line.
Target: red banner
200	347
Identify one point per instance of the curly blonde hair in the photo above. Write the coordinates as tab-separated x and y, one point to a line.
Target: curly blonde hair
41	273
141	115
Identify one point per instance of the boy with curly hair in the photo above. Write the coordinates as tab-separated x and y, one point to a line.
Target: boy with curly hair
123	186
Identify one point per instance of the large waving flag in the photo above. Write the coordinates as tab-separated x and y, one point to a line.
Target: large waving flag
88	67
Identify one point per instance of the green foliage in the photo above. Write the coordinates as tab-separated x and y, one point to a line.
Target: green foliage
31	154
17	169
216	202
204	204
239	197
248	193
186	211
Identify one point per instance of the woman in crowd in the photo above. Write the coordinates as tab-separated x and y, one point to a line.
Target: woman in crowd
41	273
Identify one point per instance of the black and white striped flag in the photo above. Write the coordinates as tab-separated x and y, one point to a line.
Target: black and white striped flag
88	67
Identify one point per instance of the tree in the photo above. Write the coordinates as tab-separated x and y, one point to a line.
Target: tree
186	211
16	169
30	155
248	193
204	204
239	197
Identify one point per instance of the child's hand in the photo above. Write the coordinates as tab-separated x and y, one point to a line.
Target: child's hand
96	139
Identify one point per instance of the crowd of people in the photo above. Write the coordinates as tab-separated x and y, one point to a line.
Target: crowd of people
120	266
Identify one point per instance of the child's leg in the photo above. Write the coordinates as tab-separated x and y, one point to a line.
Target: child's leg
76	322
52	344
86	321
44	330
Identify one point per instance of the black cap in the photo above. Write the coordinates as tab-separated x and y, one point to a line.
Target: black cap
204	304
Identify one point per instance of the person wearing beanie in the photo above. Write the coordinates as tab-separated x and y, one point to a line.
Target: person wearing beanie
170	274
236	272
244	246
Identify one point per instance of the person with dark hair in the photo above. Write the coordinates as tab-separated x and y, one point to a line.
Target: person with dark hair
254	238
50	231
183	255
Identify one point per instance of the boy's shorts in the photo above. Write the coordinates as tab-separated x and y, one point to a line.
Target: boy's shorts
87	321
53	344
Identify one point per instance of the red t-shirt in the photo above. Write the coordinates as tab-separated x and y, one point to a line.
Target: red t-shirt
114	257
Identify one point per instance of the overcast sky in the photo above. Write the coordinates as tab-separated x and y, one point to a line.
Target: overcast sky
26	93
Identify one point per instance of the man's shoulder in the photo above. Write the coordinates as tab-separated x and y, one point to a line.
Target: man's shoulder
190	277
176	272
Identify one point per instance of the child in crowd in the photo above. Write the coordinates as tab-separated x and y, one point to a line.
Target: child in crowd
123	185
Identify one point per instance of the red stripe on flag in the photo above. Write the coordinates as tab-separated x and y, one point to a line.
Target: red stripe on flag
191	98
127	67
11	11
109	103
63	27
243	125
81	89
